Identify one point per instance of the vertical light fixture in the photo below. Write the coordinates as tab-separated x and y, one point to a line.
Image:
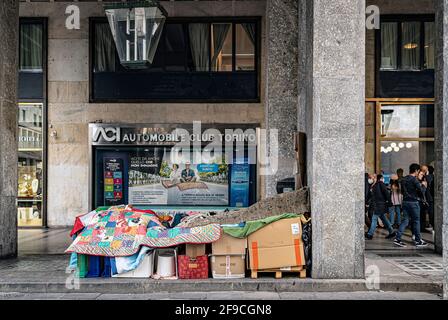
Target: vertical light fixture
136	27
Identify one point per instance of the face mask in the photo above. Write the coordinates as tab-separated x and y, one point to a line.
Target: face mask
370	181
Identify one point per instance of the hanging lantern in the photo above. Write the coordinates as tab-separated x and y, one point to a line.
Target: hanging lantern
136	27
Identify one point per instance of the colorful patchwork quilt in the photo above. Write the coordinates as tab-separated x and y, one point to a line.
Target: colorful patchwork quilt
120	231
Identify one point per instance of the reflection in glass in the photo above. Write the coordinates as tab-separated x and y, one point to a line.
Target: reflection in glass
31	47
245	46
399	154
175	47
429	45
407	121
389	46
410	45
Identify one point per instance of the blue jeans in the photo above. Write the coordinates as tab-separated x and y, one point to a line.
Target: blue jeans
411	212
375	223
392	211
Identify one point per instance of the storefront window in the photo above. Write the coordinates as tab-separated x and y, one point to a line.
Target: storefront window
31	38
175	41
410	46
409	121
404	43
406	136
245	46
401	154
222	47
147	176
30	165
389	46
197	60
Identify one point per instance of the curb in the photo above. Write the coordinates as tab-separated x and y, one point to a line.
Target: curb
280	285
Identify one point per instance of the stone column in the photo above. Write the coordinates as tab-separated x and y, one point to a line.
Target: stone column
332	76
9	30
441	136
281	84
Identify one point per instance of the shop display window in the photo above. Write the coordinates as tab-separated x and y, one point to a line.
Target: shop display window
30	165
406	135
153	176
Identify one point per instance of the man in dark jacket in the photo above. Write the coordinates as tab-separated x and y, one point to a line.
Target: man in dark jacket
380	202
413	194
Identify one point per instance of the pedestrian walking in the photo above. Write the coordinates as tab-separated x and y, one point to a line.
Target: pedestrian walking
397	200
412	195
380	202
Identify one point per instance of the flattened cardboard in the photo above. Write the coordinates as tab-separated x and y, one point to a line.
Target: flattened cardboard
228	267
229	245
277	245
195	250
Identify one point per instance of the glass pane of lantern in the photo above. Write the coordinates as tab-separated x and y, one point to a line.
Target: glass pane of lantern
136	32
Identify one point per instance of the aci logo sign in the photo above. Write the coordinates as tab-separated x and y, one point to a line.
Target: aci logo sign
108	134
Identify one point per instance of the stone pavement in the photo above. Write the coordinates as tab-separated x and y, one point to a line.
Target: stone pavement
235	295
400	273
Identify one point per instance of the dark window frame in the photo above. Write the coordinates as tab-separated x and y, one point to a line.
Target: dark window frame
209	20
44	102
422	76
398	19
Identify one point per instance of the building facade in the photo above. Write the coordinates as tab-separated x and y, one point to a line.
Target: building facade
293	66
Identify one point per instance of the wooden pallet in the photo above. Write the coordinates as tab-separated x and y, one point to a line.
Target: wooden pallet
278	273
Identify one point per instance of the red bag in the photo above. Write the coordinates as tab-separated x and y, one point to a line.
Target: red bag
192	268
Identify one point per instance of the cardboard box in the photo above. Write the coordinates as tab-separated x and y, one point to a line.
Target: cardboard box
277	245
228	259
228	245
144	270
194	250
228	267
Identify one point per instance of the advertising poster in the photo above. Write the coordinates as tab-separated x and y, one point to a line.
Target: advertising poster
155	180
113	181
144	178
240	178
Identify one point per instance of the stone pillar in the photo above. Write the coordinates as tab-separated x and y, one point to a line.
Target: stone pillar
9	30
441	136
281	84
332	76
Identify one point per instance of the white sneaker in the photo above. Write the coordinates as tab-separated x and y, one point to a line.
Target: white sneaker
420	244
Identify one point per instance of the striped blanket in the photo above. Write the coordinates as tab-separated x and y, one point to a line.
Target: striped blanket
120	231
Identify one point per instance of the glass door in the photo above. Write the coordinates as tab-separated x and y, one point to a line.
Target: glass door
405	135
30	165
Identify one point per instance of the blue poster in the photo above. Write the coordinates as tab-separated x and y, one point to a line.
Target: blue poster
239	185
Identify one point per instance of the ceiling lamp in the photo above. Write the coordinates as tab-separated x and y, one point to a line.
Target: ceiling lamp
410	46
136	27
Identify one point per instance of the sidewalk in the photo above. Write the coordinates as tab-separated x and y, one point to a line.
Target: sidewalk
402	271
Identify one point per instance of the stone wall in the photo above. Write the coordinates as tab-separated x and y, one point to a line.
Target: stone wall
281	84
9	24
333	71
441	138
69	110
